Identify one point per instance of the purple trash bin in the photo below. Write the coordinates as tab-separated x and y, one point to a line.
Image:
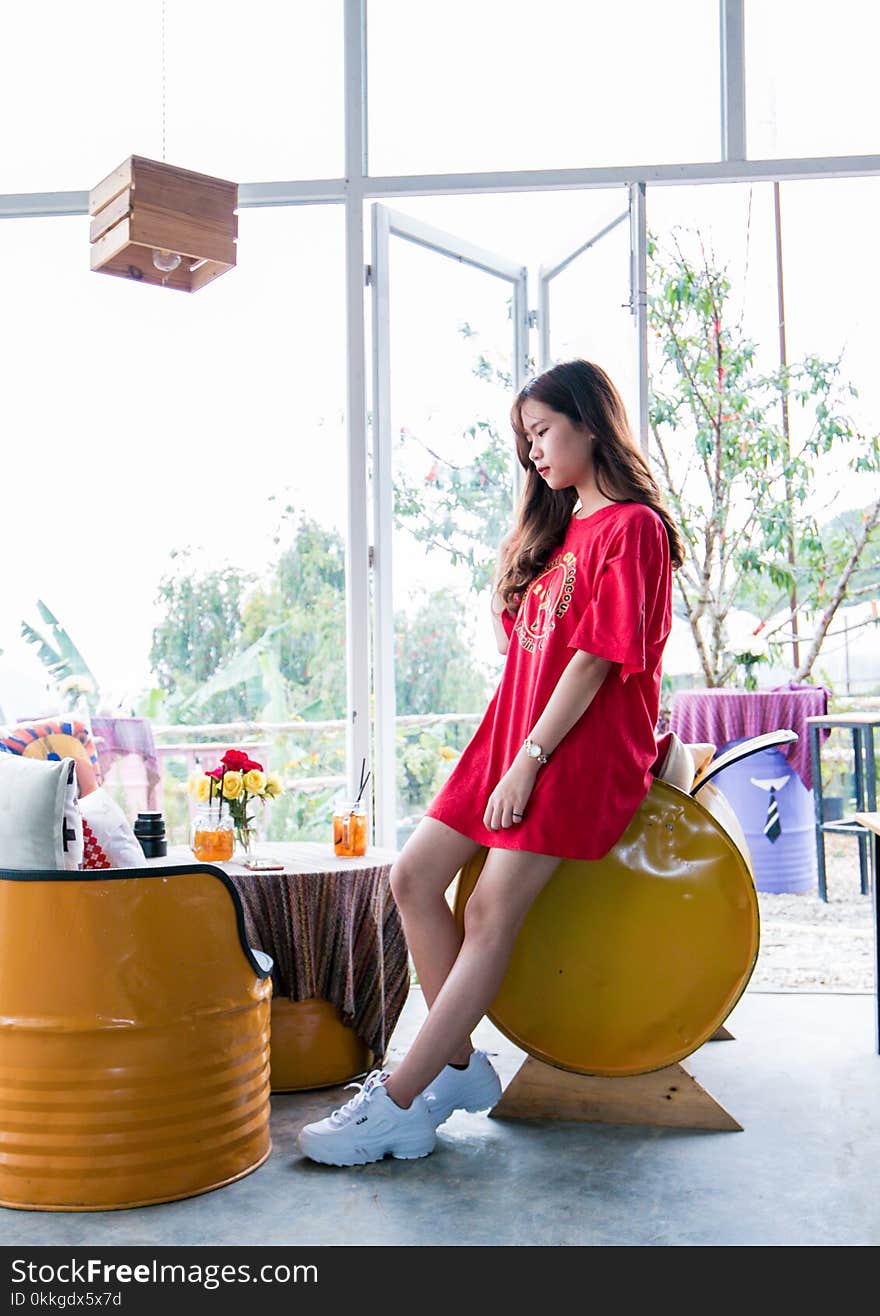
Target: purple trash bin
753	786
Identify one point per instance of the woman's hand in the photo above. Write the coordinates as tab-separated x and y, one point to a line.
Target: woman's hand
507	804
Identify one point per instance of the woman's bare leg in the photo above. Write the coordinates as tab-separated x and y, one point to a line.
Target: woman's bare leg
503	895
426	866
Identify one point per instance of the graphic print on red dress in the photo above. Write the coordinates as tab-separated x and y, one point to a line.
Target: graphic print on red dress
547	598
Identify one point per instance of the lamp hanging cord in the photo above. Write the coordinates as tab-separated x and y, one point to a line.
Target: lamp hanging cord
164	157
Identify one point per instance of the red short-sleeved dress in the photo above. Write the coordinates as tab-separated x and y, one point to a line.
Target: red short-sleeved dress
607	589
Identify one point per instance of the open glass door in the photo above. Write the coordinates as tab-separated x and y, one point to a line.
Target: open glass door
450	330
583	297
450	343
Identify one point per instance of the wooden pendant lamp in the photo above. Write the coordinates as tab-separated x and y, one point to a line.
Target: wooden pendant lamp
155	223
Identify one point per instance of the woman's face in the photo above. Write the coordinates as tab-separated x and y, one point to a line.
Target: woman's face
560	451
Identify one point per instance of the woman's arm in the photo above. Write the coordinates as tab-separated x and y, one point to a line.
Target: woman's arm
571	697
502	639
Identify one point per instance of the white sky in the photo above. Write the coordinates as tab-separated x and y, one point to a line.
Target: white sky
138	420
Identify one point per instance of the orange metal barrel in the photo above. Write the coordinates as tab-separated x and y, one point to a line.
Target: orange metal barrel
134	1039
312	1047
630	963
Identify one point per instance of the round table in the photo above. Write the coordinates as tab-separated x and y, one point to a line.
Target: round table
341	969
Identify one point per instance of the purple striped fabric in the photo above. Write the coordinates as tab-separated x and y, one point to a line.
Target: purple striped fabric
118	736
717	717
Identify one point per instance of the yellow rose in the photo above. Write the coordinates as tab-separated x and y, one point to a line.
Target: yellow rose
197	786
273	786
254	781
233	785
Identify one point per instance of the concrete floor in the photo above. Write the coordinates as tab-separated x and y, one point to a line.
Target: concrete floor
802	1077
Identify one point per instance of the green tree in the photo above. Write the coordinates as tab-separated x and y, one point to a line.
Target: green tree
435	673
464	510
759	594
200	630
231	648
741	487
305	599
434	667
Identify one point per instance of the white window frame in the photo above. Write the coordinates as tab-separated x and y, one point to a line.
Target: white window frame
387	224
359	187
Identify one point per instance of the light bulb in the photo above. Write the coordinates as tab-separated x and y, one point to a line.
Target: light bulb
165	260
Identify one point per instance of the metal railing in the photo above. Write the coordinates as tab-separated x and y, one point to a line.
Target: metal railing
311	777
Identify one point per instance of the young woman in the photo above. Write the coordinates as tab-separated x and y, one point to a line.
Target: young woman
561	760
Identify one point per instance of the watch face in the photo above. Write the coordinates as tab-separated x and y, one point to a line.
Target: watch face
534	750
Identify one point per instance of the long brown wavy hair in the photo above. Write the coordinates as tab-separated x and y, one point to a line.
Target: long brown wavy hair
583	392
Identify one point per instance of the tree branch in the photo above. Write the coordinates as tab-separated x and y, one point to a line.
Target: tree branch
869	523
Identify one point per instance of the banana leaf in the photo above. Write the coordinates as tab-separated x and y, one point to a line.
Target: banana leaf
244	667
60	657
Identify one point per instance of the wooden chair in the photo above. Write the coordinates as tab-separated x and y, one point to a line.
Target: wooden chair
626	965
134	1038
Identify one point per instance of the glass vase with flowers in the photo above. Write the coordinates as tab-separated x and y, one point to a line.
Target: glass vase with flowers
240	786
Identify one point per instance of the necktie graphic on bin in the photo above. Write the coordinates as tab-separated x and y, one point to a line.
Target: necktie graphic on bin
772	823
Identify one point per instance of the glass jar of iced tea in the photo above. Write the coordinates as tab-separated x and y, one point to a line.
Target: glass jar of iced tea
350	830
212	838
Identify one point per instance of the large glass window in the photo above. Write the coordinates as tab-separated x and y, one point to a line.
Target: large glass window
175	498
829	289
711	375
730	227
505	84
811	73
247	93
589	296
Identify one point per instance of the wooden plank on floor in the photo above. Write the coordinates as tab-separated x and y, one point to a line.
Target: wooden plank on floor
667	1098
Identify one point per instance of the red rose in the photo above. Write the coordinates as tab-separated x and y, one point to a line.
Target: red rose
216	773
235	760
251	763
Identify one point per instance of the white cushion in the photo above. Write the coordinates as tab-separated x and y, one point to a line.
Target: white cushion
112	830
684	763
40	823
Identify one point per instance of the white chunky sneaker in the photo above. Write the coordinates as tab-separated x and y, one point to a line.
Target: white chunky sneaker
476	1088
369	1127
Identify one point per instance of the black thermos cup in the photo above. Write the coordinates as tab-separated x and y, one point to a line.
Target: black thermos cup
149	828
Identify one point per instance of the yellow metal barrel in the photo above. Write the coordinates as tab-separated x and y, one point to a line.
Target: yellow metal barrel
312	1047
630	963
134	1039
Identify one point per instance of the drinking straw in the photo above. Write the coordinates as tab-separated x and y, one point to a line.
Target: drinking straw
364	781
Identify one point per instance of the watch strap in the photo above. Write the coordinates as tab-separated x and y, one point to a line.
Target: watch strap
530	746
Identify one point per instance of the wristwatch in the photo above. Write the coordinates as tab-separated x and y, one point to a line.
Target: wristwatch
534	750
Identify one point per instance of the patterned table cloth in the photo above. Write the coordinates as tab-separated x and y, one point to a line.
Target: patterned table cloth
718	716
333	930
